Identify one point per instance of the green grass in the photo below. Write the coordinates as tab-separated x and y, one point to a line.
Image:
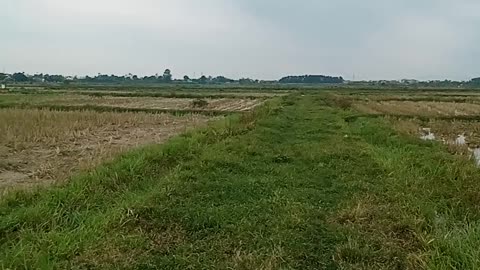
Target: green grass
292	185
9	99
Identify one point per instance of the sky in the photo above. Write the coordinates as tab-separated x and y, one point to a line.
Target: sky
264	39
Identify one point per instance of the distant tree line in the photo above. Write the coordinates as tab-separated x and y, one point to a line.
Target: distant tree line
167	77
313	79
419	84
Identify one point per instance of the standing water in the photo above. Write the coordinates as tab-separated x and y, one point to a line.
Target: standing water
427	135
461	140
476	156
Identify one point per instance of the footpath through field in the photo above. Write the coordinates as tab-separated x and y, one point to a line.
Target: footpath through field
297	188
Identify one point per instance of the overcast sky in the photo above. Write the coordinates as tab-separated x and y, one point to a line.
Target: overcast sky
265	39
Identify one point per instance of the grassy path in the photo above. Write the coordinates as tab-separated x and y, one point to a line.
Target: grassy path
293	186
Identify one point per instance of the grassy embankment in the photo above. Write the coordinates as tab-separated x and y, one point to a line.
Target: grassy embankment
292	185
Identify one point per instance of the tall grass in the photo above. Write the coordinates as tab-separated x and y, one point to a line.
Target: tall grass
28	128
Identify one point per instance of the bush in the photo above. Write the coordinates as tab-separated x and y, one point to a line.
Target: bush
340	102
199	103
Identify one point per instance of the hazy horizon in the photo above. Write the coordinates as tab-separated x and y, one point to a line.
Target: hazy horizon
372	39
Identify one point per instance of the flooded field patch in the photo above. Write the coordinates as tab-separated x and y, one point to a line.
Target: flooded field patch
41	146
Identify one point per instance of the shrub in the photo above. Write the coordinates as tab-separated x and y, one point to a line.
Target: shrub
199	103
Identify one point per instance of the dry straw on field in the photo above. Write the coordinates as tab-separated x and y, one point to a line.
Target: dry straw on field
154	103
423	108
38	145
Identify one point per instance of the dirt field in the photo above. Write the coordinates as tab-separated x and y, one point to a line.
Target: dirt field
421	108
38	146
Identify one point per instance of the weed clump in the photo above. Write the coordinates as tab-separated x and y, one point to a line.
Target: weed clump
340	102
199	103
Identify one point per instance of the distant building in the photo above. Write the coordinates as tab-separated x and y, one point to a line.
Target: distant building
3	86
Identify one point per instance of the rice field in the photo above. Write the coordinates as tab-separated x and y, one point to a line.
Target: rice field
305	181
40	145
417	97
419	108
134	102
43	146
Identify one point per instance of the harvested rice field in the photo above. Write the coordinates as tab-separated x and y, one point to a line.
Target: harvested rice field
42	146
306	181
420	108
148	103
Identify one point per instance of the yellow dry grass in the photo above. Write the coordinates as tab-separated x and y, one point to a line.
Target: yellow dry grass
423	108
158	103
39	146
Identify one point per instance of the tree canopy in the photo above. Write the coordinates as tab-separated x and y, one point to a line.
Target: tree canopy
311	79
20	77
167	76
3	76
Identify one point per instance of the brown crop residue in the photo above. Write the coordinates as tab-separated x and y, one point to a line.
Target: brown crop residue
152	103
40	146
412	108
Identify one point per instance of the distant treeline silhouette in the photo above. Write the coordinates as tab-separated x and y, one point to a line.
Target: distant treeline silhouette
166	77
311	79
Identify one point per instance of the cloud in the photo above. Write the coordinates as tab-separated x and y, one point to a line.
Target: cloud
138	36
410	47
263	39
422	44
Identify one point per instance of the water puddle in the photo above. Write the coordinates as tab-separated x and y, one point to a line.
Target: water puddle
461	140
476	156
426	134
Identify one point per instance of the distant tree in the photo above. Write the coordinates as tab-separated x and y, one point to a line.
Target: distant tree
167	76
3	76
475	81
54	78
37	77
246	81
203	79
152	78
222	79
186	78
311	79
19	77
